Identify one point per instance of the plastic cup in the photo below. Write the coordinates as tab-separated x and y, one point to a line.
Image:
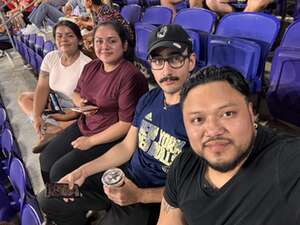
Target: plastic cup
113	177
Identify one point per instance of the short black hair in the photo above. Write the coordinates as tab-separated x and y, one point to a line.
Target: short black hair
213	73
73	26
97	2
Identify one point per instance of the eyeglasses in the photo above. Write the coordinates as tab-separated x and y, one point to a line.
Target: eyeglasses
175	61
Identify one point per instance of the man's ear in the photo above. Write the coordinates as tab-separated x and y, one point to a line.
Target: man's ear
192	61
251	111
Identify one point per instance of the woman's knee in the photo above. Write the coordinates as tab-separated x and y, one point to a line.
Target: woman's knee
58	170
25	97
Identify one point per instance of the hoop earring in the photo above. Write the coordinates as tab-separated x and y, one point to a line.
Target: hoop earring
255	125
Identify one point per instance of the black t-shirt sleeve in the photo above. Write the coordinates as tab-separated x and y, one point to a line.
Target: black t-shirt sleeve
289	173
171	193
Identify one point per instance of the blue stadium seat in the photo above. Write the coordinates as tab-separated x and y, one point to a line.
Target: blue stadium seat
198	23
283	96
132	13
29	215
256	27
157	15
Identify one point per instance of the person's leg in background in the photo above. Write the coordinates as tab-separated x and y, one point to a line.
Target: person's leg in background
25	101
45	10
257	5
219	6
196	3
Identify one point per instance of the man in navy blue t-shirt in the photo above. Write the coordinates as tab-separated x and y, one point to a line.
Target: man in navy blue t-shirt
156	137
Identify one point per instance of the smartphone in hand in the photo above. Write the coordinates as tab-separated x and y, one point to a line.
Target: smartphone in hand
61	190
85	108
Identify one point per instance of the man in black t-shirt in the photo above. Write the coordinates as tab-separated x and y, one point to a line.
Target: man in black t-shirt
235	171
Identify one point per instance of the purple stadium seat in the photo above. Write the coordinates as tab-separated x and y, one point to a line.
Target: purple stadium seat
283	96
142	32
29	216
6	210
39	45
196	19
257	27
129	2
48	47
7	148
2	119
237	53
205	23
17	177
150	3
157	15
131	13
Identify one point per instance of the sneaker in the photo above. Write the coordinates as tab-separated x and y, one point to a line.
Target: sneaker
30	29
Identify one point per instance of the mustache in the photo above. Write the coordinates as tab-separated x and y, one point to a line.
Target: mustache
168	78
216	139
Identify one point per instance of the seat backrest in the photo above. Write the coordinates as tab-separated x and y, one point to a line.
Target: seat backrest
2	118
196	19
237	53
7	141
131	13
39	45
142	32
291	38
129	2
48	47
29	216
157	15
259	27
17	177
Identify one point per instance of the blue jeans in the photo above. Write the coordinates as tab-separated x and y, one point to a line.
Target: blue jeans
44	11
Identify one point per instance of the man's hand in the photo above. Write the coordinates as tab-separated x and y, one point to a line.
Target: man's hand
82	143
127	194
76	177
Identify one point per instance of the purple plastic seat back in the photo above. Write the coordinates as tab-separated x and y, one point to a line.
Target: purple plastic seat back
142	32
7	141
31	41
17	177
196	19
6	210
129	2
131	13
39	45
259	27
284	90
29	216
152	2
48	47
158	15
291	38
2	118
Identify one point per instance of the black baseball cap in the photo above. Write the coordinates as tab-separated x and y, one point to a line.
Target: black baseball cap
169	36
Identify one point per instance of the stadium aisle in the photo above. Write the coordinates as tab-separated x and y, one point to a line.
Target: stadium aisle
13	81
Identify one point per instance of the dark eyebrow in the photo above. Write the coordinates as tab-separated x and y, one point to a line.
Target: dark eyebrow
220	108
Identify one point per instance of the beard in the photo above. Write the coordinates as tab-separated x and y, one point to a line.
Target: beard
224	167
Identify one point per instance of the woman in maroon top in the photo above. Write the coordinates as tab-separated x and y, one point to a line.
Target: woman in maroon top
113	85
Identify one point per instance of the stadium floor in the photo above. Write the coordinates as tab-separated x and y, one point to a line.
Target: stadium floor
16	79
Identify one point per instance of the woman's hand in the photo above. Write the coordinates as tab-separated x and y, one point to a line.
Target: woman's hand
82	143
38	125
